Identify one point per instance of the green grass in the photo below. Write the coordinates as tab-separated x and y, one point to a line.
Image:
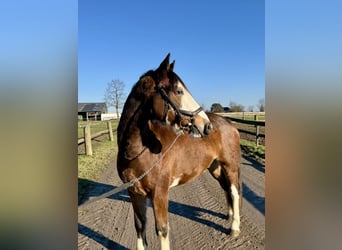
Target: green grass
256	152
90	168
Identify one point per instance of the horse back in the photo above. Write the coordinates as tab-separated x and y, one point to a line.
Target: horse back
228	136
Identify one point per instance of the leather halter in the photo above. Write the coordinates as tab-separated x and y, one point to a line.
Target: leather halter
179	112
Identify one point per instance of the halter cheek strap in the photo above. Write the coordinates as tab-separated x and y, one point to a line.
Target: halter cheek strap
191	113
169	102
179	112
166	109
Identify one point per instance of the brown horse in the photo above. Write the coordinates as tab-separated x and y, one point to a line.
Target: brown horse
157	139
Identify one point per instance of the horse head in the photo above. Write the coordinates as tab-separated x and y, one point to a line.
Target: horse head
172	102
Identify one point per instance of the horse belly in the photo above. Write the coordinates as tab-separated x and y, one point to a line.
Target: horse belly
190	169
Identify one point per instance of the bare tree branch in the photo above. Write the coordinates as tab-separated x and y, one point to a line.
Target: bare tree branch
114	95
261	105
234	107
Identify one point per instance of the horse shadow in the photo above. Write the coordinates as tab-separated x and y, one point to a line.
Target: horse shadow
196	214
257	201
253	163
193	213
104	241
88	189
190	212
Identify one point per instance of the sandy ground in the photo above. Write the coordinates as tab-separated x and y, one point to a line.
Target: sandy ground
197	215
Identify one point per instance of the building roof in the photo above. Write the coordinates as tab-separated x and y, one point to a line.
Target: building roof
92	107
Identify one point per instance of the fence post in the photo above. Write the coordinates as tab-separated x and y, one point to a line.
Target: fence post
87	140
110	131
257	131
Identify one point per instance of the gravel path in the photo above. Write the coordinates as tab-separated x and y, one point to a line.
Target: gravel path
197	215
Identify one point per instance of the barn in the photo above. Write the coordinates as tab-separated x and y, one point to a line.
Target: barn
92	111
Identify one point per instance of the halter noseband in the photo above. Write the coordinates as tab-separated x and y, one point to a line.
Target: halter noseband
179	112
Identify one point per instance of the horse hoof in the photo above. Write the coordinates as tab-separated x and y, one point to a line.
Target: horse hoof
235	233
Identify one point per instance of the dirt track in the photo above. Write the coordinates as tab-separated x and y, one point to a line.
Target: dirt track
197	215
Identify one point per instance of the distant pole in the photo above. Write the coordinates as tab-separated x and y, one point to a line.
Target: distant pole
257	130
87	140
110	130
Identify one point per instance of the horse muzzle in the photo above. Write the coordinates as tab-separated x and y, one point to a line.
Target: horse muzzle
207	128
196	131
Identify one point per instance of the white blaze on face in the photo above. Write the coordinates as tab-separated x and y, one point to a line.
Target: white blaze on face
188	103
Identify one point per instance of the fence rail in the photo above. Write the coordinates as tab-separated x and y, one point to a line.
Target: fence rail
88	136
243	114
257	124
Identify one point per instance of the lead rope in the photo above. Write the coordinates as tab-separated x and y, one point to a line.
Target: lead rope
132	182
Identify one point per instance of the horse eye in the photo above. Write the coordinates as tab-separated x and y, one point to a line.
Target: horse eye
180	91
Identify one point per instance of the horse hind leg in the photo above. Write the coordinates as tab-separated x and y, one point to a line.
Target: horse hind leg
216	171
139	207
160	208
228	177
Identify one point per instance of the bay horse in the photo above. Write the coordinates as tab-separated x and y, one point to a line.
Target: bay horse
163	126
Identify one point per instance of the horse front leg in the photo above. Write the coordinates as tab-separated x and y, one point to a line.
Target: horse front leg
160	202
139	207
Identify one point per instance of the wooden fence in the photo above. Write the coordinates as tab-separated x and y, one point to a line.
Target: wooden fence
88	136
256	124
256	132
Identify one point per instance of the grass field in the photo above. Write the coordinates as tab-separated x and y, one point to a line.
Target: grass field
90	168
250	149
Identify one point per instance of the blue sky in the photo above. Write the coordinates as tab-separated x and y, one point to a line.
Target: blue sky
218	46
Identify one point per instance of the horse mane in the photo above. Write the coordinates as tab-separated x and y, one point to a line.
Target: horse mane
135	114
140	95
133	129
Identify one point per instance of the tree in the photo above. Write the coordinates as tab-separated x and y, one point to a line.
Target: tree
234	107
261	105
216	108
204	107
114	95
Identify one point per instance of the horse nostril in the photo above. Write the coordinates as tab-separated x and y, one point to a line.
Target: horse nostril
207	128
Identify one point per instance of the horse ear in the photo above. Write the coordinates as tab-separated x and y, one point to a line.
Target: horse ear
162	72
165	64
172	65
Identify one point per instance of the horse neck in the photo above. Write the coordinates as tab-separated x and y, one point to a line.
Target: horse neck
132	119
